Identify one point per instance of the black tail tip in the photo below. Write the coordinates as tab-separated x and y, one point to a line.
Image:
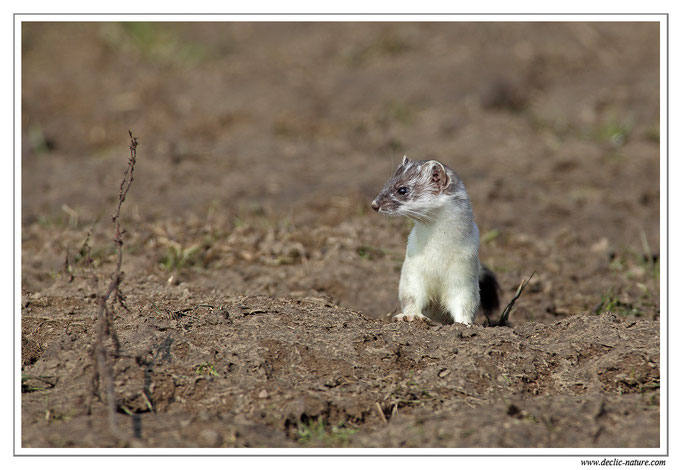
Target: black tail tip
489	288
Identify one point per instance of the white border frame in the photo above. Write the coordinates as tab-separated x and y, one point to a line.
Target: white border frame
662	451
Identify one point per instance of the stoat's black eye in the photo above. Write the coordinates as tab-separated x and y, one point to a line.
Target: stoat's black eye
403	190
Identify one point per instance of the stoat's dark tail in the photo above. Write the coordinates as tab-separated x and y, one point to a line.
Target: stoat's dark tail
489	288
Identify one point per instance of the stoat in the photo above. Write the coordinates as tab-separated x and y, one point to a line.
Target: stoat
442	278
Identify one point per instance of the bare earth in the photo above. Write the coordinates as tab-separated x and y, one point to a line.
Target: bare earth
259	284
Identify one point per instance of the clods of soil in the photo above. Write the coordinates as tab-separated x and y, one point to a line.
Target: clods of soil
258	282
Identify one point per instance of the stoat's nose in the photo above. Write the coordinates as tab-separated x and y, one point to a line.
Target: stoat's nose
375	205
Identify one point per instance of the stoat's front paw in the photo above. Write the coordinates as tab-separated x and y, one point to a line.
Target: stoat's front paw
409	317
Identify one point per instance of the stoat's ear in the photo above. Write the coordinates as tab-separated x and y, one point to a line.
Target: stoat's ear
439	176
405	160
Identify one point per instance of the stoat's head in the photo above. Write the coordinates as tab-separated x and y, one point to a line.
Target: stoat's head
419	189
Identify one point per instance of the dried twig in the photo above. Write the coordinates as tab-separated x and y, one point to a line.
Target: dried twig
381	413
86	252
504	317
68	270
648	255
105	332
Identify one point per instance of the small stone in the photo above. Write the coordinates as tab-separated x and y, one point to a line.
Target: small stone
637	272
263	394
209	438
601	246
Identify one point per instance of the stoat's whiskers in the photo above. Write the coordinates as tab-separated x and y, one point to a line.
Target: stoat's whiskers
420	216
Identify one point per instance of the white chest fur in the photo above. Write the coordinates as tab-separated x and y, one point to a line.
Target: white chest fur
439	278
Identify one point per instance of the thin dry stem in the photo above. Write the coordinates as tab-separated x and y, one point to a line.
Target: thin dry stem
504	317
105	332
86	251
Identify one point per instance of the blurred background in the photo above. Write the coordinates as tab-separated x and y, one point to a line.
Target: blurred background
262	144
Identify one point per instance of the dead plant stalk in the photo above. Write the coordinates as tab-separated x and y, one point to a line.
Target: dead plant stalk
105	332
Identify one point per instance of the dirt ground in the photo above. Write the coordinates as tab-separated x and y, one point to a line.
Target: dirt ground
259	283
